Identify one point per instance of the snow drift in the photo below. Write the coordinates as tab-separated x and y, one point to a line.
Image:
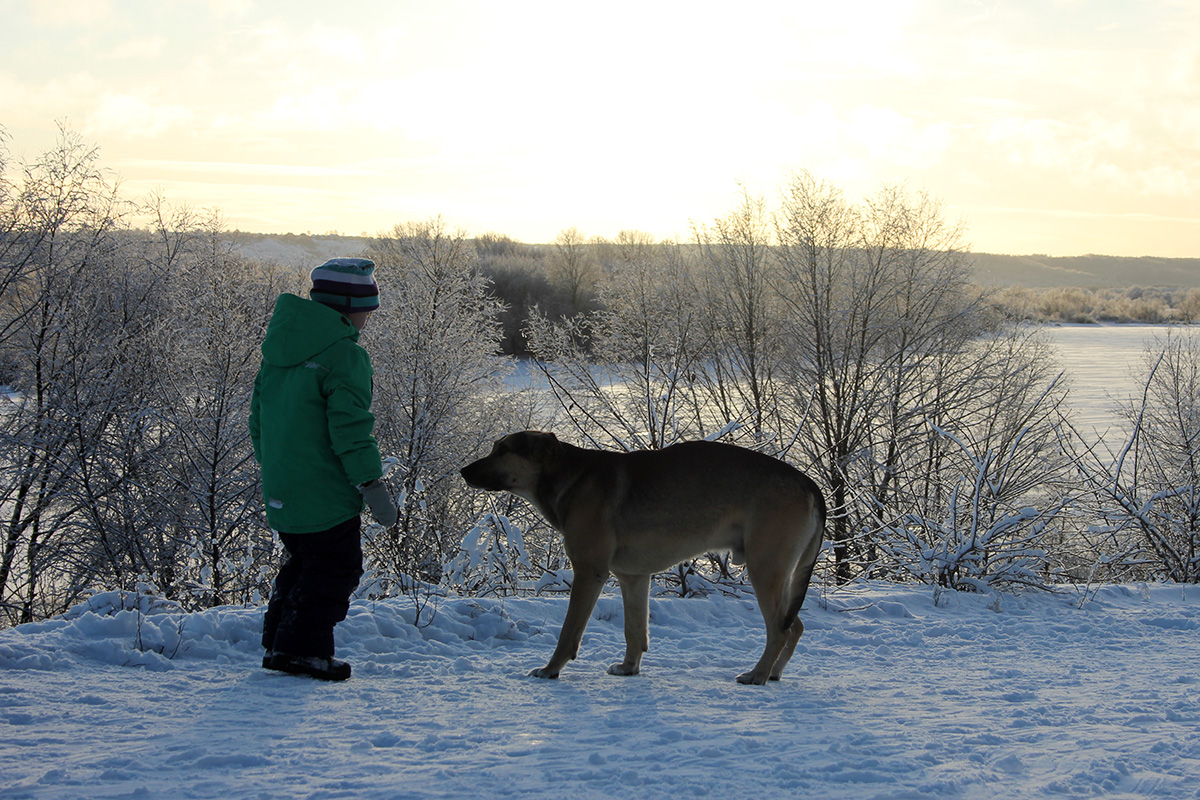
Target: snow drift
895	692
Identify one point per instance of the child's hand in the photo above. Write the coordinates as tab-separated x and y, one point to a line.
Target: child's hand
380	502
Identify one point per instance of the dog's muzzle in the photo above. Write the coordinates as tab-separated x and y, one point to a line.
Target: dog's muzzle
478	476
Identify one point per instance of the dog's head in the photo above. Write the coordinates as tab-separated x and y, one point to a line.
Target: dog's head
515	464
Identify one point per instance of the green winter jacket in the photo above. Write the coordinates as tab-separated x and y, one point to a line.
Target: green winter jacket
310	418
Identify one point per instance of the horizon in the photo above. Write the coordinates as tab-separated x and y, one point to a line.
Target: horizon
473	235
1058	129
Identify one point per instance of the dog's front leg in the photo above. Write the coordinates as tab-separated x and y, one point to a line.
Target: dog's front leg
585	590
635	598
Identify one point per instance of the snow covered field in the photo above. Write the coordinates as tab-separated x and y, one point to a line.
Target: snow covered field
893	693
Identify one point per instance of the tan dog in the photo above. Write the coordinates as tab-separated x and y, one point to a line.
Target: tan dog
635	514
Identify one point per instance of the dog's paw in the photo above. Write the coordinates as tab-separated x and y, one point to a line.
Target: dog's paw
544	673
750	679
621	668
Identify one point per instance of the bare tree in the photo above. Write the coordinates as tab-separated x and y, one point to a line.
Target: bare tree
207	493
884	326
573	268
71	334
743	321
623	375
439	387
832	296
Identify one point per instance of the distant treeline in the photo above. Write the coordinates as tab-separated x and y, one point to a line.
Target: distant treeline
1157	304
526	276
566	277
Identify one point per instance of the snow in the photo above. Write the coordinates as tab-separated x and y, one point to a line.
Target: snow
1103	364
894	692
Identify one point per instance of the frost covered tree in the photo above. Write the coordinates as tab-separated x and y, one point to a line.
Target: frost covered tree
848	344
207	494
72	346
17	245
439	388
891	349
130	356
624	375
573	269
743	322
1148	491
847	339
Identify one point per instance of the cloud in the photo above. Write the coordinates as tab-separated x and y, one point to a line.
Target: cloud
149	47
1119	155
892	137
230	8
70	12
24	104
157	165
1166	181
130	115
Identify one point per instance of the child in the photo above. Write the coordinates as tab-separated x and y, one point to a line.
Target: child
312	430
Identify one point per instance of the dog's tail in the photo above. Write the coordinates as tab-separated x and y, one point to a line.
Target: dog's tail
808	560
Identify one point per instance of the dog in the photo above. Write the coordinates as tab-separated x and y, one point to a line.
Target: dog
634	514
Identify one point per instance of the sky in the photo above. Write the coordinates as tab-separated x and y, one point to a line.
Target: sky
1058	127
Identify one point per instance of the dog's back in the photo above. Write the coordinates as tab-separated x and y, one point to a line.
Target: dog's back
696	497
714	468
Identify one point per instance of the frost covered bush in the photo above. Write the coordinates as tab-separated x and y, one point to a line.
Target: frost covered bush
439	393
991	488
1147	494
982	538
491	560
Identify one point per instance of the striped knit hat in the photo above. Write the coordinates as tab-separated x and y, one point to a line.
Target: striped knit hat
346	284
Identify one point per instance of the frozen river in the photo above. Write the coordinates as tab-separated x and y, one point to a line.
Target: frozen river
1102	364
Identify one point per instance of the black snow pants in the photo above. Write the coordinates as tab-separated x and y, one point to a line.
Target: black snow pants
312	591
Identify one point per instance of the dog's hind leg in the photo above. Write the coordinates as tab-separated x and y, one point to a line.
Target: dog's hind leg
777	638
780	577
635	598
794	632
770	580
801	577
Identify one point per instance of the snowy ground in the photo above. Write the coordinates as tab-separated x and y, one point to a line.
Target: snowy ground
890	695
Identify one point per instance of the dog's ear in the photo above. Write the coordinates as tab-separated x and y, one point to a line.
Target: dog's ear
535	444
547	450
528	444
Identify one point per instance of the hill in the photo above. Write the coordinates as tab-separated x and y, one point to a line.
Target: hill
1039	271
296	249
1033	271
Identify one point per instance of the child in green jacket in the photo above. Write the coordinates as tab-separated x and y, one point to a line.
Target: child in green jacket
312	430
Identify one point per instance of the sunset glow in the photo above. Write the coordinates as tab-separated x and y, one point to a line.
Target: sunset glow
1061	127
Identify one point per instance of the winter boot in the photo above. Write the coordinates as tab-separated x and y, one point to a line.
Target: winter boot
325	668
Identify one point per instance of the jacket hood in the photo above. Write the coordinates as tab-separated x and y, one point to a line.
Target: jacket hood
300	329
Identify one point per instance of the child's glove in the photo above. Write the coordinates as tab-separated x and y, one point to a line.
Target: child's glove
380	502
